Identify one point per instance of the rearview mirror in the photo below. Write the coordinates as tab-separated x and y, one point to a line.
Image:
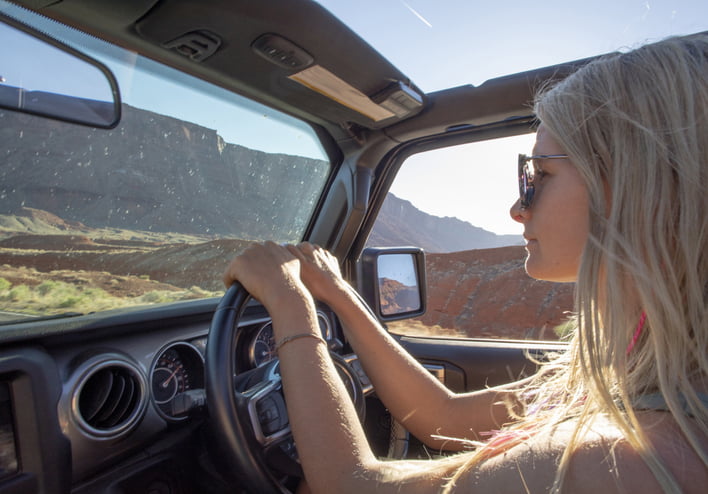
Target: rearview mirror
393	282
42	76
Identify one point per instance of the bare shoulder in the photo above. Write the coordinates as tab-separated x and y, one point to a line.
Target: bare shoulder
603	462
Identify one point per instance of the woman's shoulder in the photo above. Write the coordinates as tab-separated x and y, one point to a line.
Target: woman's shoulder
602	461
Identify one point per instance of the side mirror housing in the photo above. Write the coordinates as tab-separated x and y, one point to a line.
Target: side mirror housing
41	76
392	281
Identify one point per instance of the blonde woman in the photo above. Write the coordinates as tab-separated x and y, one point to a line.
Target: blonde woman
615	198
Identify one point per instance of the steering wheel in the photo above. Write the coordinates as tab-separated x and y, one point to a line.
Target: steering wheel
247	415
238	435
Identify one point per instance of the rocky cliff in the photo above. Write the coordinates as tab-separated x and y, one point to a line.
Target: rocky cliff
152	173
401	223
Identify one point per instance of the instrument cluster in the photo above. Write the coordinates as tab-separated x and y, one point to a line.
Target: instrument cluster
177	372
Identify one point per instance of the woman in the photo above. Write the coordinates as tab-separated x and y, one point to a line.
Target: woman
615	199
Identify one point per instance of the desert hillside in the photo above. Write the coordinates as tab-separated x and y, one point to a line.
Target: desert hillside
478	293
487	293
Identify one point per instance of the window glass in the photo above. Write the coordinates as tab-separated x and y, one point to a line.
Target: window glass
152	210
454	203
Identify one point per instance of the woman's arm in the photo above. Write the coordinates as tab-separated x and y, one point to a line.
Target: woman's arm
413	396
331	443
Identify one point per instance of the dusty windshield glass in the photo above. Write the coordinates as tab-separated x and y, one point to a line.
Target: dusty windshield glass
152	210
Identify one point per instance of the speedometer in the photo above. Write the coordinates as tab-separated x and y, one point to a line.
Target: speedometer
169	377
177	368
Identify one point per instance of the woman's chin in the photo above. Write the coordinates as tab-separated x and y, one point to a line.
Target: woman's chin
539	270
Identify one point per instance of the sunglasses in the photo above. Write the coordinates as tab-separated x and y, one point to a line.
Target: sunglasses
527	174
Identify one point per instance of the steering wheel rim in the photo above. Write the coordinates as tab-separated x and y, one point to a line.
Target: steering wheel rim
233	436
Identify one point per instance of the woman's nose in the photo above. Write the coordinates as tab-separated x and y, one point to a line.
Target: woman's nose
518	213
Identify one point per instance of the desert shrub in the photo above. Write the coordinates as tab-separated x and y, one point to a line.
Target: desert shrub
19	293
58	291
71	301
54	296
47	286
199	292
156	297
97	293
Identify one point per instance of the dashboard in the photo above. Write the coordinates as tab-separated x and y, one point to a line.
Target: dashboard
83	399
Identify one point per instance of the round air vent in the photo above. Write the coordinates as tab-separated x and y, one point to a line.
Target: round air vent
109	398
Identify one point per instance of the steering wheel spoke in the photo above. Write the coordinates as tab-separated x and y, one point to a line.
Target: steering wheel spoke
267	412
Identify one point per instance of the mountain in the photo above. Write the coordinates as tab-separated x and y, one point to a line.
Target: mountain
153	173
400	223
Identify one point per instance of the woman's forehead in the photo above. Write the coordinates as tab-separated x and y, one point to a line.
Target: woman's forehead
545	142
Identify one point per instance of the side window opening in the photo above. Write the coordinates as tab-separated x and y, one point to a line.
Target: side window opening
454	203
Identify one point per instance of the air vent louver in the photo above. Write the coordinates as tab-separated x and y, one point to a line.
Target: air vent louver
110	399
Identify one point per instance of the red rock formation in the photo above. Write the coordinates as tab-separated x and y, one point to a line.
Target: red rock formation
487	293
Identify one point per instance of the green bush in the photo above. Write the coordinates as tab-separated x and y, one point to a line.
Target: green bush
20	293
53	296
97	293
72	301
47	286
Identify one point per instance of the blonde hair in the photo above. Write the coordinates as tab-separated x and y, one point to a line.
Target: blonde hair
636	127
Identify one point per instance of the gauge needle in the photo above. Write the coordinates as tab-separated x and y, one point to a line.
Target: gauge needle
167	381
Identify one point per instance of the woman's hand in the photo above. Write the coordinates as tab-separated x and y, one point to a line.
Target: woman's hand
319	270
268	271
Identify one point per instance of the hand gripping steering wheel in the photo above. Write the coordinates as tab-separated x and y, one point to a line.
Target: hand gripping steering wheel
247	416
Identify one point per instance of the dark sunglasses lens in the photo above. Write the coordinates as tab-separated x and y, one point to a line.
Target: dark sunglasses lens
527	197
526	189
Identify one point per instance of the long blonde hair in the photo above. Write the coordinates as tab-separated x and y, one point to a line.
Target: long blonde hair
636	127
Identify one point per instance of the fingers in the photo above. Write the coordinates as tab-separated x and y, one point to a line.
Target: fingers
255	255
308	248
294	250
304	250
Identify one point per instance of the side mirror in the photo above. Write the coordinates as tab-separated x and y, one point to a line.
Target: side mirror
41	76
393	282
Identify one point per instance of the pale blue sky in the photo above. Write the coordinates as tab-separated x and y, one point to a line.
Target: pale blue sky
445	43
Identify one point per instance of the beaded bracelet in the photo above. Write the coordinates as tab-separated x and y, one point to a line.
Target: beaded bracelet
290	338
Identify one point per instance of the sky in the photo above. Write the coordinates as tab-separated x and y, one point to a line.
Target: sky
445	43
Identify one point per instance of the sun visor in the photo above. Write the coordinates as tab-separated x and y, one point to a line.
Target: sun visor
396	101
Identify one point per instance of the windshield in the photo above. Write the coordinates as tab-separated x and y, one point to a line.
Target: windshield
152	210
